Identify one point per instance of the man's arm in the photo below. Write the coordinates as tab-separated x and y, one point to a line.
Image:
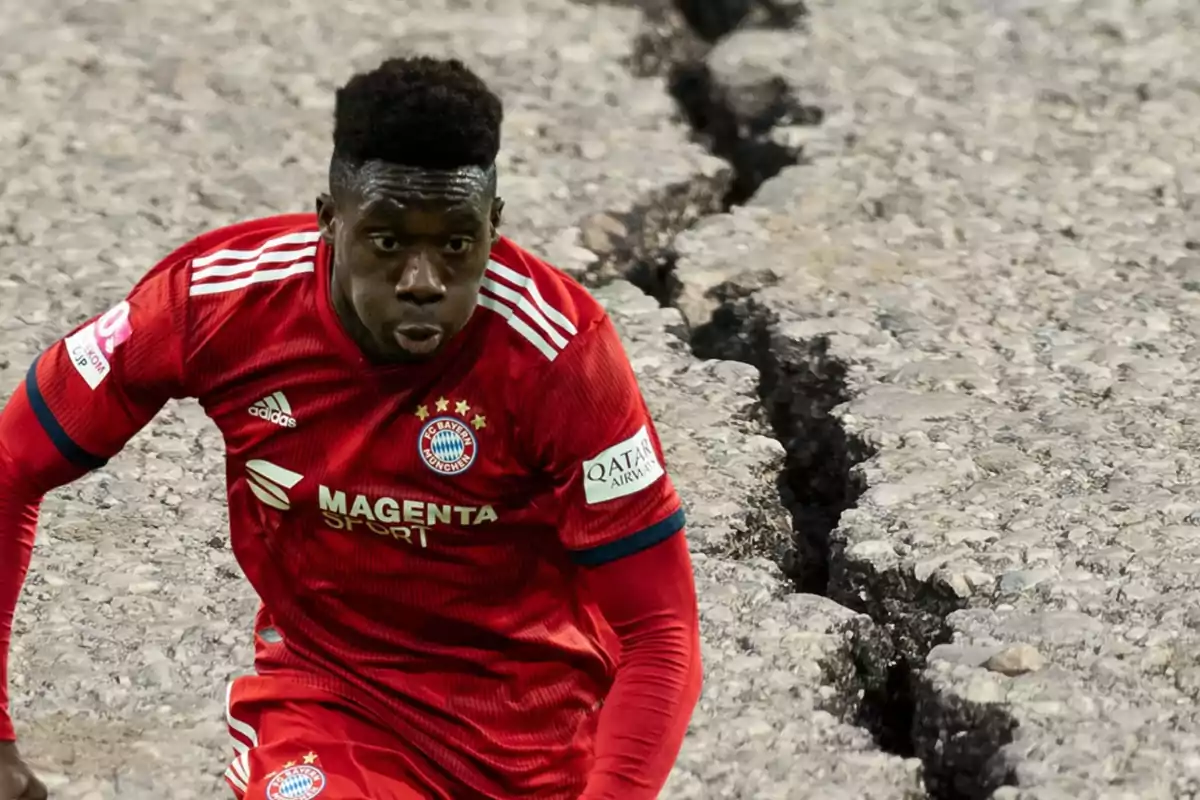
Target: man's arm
622	523
80	402
650	601
30	466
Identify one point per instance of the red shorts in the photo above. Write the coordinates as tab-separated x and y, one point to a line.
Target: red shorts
295	742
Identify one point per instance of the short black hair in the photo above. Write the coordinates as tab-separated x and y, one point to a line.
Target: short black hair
421	112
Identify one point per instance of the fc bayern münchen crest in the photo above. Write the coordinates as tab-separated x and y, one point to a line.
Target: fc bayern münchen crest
447	445
302	782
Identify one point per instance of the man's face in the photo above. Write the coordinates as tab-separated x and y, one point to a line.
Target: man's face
409	251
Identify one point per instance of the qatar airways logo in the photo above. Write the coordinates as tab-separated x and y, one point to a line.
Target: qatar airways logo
406	520
622	470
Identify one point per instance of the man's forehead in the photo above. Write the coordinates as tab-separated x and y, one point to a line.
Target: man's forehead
381	183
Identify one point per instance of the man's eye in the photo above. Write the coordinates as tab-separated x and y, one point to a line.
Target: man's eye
458	245
385	243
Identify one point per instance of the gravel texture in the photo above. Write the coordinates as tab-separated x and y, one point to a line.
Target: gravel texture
974	307
968	303
128	127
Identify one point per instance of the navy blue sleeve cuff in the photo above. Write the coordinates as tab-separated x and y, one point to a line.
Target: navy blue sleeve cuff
634	543
65	444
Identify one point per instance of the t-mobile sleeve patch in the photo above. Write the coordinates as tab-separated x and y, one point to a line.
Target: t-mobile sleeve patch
622	469
92	346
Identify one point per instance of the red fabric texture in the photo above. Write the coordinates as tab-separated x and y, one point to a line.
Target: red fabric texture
30	466
649	599
286	729
596	406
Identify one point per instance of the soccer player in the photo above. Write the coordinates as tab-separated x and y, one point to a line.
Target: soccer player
443	481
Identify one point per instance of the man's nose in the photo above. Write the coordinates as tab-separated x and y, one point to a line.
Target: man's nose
420	281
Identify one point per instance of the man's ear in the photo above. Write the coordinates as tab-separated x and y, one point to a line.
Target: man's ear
326	217
497	215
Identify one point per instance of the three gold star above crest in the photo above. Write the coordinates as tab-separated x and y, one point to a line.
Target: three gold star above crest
308	759
462	408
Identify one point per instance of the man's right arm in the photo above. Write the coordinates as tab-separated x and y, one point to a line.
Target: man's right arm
80	402
30	466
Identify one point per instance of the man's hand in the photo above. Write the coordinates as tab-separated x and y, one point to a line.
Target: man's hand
17	781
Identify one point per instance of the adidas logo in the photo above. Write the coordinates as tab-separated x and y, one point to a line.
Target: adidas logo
269	481
276	409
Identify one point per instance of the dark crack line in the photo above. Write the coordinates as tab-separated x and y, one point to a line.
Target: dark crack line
737	128
959	743
636	245
800	388
734	126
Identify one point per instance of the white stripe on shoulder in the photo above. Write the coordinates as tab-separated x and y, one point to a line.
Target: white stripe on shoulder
498	270
522	303
237	726
230	270
235	781
299	237
242	267
518	325
261	276
241	768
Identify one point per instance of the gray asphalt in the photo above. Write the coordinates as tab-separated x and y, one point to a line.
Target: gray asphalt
966	322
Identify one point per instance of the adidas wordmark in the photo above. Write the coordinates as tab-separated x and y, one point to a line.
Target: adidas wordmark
274	408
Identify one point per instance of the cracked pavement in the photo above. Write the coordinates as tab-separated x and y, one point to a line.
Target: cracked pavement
959	325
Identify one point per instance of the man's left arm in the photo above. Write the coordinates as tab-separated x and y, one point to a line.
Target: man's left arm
622	522
650	601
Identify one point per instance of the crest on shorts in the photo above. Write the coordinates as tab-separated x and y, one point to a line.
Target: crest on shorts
298	782
447	443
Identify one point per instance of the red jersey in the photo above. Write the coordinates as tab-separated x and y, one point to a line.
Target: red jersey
414	532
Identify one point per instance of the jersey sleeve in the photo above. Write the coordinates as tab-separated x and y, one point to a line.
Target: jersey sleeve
596	441
98	386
